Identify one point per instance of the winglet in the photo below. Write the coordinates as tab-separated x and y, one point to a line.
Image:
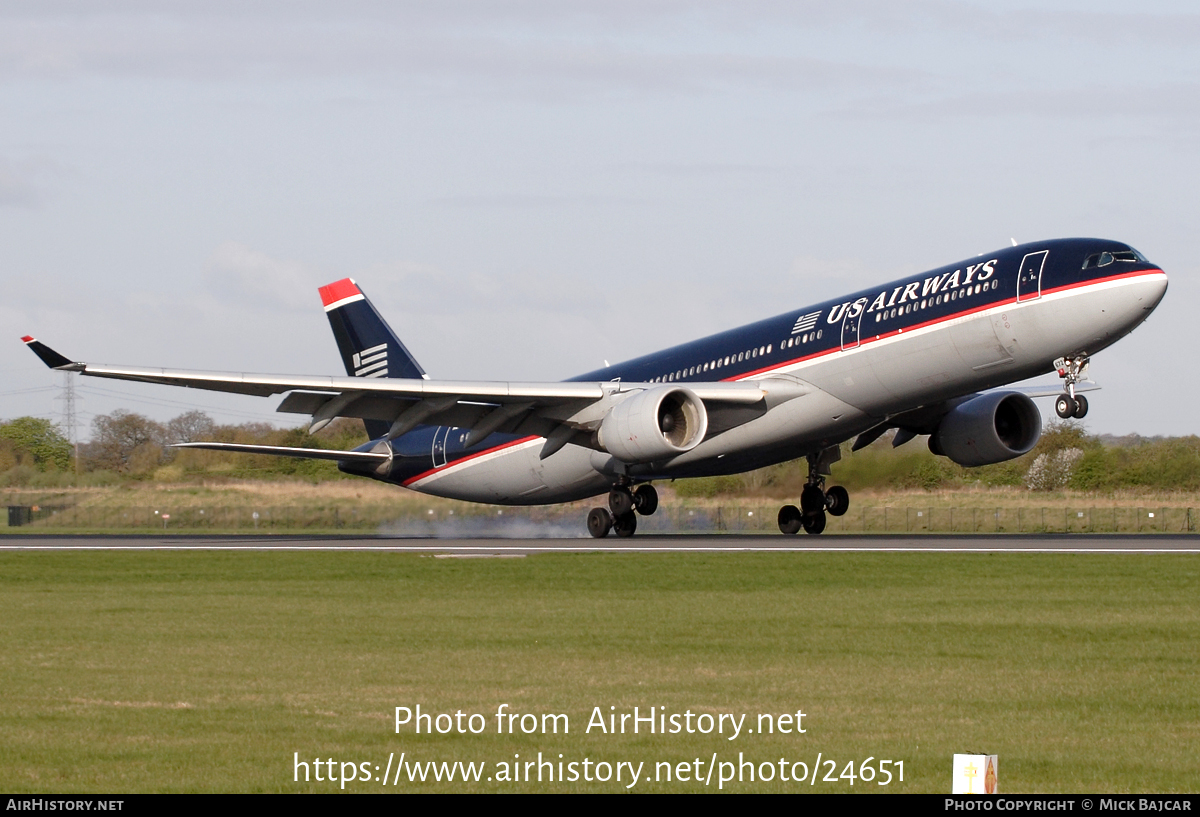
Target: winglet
50	357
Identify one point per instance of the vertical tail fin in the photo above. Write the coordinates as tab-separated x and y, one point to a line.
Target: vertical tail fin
368	345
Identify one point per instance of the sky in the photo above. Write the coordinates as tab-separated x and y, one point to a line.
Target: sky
528	189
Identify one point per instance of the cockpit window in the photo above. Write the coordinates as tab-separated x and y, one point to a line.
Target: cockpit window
1103	259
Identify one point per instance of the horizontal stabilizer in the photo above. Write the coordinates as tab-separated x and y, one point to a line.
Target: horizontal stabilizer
288	451
50	357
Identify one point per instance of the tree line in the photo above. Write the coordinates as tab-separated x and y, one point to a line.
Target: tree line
1066	457
127	445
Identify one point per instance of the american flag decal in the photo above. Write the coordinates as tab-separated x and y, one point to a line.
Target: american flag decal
371	362
806	322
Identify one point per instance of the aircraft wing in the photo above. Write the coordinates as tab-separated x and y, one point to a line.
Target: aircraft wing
483	407
1050	389
924	419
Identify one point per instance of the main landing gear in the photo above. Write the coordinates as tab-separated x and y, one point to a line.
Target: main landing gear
815	501
1072	370
624	504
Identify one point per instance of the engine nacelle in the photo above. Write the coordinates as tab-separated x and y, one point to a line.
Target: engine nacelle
653	425
990	428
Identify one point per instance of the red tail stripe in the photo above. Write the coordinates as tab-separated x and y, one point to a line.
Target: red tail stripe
338	290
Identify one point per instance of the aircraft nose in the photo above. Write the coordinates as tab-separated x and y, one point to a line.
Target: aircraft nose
1156	288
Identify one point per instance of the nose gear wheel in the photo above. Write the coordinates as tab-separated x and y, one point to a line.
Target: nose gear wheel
1073	370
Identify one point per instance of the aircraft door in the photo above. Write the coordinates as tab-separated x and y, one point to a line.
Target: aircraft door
851	324
439	445
1029	279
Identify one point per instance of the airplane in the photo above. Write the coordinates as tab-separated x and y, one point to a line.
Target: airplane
924	355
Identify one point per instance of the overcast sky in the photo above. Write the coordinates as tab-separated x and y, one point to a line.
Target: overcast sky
526	189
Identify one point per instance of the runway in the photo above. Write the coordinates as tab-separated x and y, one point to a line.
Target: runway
681	543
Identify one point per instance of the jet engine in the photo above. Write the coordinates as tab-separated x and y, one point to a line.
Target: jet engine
653	425
990	428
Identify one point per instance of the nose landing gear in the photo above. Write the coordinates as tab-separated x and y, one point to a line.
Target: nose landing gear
815	501
1072	369
624	505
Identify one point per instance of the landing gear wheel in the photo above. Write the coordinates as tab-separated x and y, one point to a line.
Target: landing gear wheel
790	520
625	524
645	500
814	523
620	501
1073	369
599	522
812	500
837	500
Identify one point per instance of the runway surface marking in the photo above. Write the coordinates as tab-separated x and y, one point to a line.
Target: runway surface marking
534	550
1081	544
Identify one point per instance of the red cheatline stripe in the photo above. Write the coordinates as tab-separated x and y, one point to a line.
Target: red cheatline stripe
492	450
981	308
1091	281
338	290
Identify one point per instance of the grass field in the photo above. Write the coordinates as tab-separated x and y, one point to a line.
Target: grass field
127	672
367	507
